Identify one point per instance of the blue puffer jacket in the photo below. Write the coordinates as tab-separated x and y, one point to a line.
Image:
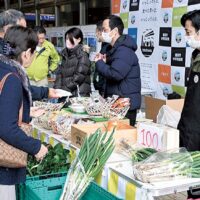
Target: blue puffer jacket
122	71
10	102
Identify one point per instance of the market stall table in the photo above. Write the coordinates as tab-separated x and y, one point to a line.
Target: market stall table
117	176
122	183
51	138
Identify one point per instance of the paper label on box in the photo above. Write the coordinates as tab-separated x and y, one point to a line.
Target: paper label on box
150	135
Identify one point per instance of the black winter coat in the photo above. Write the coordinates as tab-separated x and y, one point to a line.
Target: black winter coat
122	71
74	70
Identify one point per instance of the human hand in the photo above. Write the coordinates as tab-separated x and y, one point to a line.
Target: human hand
98	57
58	93
86	48
54	94
104	57
42	152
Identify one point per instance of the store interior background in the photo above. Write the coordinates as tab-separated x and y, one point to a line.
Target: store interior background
56	13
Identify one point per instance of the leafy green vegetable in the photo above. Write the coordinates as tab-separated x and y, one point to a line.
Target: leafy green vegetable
57	160
141	154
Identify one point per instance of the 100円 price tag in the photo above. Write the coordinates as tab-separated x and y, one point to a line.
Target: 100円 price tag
150	135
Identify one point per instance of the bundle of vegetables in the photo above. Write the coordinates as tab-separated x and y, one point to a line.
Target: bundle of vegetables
164	166
92	157
140	154
57	160
136	153
195	169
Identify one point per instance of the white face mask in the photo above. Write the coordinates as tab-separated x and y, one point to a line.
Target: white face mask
69	45
106	37
195	44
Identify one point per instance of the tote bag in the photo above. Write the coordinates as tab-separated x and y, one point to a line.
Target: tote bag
10	156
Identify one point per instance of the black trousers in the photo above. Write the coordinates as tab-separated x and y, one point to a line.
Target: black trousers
131	115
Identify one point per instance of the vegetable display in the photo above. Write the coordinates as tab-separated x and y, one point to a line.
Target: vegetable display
195	169
140	154
92	157
136	153
164	166
57	160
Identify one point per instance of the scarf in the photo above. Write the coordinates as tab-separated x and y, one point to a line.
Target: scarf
20	72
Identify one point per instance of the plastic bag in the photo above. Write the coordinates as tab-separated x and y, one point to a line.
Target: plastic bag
164	166
168	116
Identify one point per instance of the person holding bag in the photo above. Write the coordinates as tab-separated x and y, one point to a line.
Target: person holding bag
15	94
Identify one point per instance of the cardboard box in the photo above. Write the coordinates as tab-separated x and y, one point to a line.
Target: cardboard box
125	121
153	105
169	139
79	132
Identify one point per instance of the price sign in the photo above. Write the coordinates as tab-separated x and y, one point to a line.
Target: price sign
150	135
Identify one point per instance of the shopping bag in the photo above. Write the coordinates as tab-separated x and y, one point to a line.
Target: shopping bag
10	156
27	128
167	116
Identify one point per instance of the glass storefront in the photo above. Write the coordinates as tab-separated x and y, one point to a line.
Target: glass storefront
97	10
69	14
59	12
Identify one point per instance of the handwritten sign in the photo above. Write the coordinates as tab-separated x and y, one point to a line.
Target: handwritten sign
150	135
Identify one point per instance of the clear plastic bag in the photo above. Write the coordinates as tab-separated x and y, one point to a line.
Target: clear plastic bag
167	116
164	166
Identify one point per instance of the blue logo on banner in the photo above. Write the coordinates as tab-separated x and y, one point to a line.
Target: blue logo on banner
133	33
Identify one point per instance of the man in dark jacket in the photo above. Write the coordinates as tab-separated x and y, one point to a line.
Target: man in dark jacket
120	67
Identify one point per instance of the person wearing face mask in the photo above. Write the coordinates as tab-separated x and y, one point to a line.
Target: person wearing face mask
46	60
16	91
74	71
98	80
105	47
120	65
189	124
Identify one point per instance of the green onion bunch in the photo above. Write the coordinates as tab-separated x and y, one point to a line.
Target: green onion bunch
91	159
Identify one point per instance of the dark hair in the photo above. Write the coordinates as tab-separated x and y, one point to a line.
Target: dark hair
20	39
40	30
194	17
74	33
115	21
99	25
10	17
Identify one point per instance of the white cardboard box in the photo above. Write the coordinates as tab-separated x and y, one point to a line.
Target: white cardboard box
157	136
